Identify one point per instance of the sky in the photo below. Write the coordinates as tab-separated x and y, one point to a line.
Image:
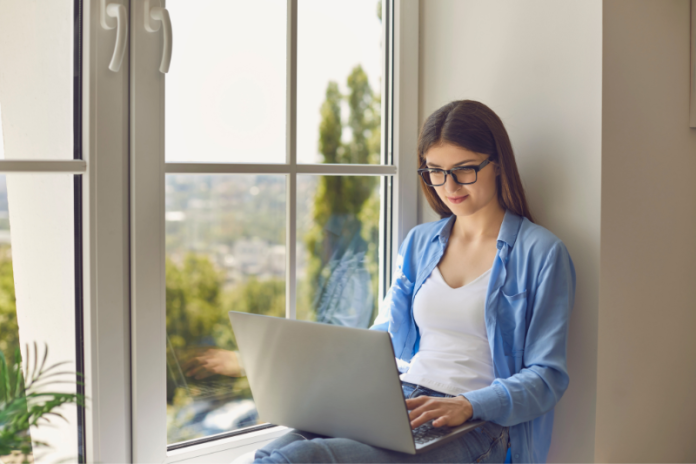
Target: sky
226	89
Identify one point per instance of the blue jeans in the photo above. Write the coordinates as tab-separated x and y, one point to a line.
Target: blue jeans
487	443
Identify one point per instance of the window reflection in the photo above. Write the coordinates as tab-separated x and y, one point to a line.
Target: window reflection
340	231
225	251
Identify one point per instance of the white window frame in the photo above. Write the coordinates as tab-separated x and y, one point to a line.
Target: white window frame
123	217
105	211
101	206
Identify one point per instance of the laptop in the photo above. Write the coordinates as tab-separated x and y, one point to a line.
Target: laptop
333	381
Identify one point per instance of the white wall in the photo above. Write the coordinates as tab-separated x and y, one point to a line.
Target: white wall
646	377
538	65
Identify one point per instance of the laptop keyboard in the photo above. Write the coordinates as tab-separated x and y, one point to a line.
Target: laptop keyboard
427	433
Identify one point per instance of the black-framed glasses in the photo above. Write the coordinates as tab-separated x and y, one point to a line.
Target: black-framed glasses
463	175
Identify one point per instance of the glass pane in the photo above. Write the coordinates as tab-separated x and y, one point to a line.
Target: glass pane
225	92
37	296
338	242
36	79
225	251
339	66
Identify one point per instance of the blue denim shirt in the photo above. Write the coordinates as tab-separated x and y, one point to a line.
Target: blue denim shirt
528	303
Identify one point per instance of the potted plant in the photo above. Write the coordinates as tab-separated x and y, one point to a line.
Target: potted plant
25	403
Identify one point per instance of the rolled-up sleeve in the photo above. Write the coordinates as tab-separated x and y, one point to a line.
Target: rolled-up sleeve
543	379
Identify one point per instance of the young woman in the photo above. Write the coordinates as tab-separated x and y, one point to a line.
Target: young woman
478	309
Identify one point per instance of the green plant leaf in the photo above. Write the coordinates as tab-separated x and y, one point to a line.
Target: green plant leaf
4	380
23	404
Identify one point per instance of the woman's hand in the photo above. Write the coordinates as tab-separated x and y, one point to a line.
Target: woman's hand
442	411
214	361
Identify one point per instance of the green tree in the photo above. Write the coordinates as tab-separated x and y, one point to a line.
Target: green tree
198	325
197	317
193	299
265	297
193	290
197	307
9	329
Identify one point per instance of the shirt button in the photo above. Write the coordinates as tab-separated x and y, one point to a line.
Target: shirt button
517	456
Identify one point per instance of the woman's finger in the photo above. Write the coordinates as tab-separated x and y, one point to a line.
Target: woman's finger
443	411
425	417
418	409
427	404
413	403
441	421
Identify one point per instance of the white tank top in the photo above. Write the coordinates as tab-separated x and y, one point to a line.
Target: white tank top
454	356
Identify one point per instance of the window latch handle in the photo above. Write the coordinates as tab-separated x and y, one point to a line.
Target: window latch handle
154	16
118	12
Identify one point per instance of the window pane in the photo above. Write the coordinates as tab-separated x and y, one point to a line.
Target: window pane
225	92
339	65
338	242
225	251
37	290
36	79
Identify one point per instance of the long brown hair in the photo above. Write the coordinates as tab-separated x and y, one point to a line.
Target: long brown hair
475	127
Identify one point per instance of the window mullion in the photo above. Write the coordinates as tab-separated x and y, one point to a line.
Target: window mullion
404	111
291	157
387	156
267	168
43	166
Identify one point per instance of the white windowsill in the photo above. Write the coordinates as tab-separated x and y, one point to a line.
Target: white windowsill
226	449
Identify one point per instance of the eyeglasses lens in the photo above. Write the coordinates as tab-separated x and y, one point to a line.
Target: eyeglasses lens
463	176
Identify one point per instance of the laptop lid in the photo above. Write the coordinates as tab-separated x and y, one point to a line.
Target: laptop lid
330	380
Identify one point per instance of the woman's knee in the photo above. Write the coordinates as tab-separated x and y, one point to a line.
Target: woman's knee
298	450
282	441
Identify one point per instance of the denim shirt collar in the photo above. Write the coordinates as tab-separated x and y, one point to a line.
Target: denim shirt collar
507	235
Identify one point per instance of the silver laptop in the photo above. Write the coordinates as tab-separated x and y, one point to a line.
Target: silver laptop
333	381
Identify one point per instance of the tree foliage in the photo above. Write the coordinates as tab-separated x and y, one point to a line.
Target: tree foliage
9	329
197	319
193	300
197	307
